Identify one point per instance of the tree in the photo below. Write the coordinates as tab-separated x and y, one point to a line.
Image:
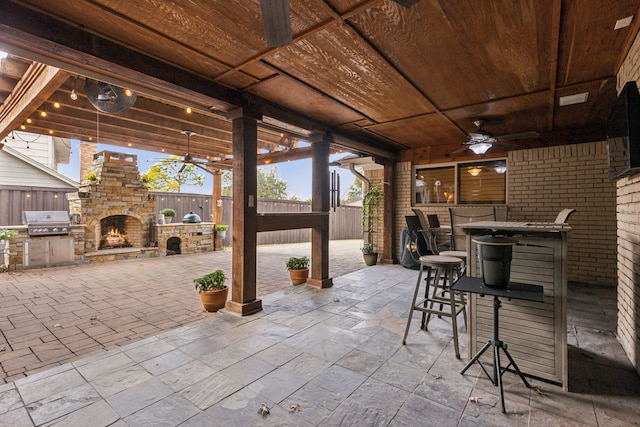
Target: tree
354	192
270	186
164	176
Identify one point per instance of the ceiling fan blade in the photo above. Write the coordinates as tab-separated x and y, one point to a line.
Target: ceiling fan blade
406	3
460	150
184	165
517	136
276	22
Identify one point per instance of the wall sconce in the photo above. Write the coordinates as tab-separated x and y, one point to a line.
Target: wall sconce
474	171
219	203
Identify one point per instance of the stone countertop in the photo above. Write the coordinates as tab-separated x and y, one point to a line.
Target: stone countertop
545	227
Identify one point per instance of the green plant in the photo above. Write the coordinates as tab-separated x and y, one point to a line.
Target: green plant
367	248
221	227
91	177
370	205
211	281
294	263
7	234
168	212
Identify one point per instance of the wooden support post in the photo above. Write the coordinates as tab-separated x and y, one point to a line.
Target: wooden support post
389	220
320	204
216	211
245	195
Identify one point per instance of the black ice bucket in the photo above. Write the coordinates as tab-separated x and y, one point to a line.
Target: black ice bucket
495	259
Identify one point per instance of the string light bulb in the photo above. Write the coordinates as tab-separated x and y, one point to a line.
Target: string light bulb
74	95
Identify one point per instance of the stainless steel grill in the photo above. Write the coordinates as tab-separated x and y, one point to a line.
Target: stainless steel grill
46	223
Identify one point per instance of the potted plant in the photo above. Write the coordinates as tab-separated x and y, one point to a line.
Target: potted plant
370	208
213	292
168	214
221	230
369	255
298	269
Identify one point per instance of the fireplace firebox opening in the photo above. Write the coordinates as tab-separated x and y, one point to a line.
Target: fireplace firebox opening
115	231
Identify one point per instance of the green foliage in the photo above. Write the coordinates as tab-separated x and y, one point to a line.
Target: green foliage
370	205
221	227
227	183
164	176
91	177
270	185
7	234
294	263
367	248
211	281
168	212
354	192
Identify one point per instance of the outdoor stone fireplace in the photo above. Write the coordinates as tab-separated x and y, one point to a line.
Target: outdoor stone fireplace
116	206
117	213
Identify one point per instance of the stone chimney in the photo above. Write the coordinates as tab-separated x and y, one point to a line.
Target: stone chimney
87	152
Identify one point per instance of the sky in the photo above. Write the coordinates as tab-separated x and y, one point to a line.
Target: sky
296	174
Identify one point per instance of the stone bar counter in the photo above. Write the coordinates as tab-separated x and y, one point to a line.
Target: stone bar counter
536	333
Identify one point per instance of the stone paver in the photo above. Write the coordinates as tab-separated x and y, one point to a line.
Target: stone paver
330	357
53	316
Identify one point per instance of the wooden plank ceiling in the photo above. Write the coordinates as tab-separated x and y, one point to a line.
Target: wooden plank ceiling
387	80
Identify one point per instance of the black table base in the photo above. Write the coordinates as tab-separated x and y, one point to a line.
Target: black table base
498	370
520	291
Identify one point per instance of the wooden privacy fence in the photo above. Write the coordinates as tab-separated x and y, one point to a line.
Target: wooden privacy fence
344	223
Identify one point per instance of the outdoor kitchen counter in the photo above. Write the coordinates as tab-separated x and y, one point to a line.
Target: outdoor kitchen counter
536	332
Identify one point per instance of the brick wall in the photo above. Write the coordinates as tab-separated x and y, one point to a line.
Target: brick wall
628	215
543	181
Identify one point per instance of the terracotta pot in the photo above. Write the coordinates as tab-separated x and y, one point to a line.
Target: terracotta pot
370	259
214	300
299	277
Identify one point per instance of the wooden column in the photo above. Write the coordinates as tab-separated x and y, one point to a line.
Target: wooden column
320	205
245	188
389	219
216	211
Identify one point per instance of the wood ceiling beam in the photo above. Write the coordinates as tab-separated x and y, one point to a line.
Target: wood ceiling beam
38	83
58	41
556	20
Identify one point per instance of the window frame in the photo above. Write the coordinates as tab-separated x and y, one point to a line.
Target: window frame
457	169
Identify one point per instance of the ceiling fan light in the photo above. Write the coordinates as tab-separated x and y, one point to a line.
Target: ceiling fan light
474	171
500	169
480	148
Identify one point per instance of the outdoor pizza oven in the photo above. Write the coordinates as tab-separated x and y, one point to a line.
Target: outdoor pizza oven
46	223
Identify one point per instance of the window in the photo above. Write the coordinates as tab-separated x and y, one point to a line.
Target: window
435	185
461	183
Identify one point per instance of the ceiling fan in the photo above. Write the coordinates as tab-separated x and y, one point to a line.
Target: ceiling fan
480	140
188	159
277	21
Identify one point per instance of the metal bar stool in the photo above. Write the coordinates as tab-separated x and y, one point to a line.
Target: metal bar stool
445	268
